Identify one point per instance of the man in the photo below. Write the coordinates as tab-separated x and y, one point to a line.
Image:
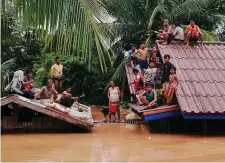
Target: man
178	32
56	73
193	33
114	98
143	55
166	72
149	98
66	99
166	33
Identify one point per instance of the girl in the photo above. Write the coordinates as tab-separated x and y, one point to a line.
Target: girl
173	83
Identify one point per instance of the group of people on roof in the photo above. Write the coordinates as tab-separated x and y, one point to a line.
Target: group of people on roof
22	84
192	33
150	75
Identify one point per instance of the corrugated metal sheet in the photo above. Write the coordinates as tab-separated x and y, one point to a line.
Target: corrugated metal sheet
201	73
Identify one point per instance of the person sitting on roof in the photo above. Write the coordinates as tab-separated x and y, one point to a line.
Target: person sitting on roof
149	74
142	89
138	78
16	84
178	33
173	83
28	84
48	95
193	33
166	33
149	97
66	99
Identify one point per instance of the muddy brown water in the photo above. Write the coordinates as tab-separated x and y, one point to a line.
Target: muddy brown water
112	142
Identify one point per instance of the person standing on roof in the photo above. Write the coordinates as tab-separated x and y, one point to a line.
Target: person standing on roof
114	98
166	72
143	55
193	33
133	57
178	32
149	74
56	73
166	33
173	83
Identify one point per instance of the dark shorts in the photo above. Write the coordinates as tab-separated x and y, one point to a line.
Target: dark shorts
143	64
55	79
193	39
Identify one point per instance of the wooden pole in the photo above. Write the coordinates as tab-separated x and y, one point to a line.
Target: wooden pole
123	84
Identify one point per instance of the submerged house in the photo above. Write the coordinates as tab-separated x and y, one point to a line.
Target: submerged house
201	74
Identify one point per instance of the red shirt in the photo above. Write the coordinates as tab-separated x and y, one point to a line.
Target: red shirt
137	79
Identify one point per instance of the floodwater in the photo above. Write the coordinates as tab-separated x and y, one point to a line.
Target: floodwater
112	142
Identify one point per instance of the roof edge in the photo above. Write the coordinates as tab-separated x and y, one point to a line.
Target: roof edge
204	42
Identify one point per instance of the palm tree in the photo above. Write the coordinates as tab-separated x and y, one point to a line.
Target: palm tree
79	25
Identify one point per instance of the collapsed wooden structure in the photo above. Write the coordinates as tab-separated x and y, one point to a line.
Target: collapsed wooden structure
74	117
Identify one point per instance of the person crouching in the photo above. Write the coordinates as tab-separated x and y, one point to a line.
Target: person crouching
149	97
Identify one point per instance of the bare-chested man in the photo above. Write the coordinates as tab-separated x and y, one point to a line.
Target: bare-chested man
143	55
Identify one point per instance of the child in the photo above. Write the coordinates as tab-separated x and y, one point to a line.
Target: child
27	84
137	79
142	89
149	74
173	83
166	72
153	57
158	79
149	97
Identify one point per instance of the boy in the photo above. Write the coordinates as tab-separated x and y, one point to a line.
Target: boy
149	97
28	84
166	72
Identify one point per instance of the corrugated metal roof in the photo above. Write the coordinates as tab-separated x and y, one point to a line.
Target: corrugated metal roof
201	73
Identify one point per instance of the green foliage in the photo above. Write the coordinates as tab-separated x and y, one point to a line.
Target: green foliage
76	76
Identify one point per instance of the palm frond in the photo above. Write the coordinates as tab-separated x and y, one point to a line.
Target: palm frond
189	6
118	74
76	23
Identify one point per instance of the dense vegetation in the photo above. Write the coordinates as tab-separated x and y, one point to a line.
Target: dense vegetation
91	36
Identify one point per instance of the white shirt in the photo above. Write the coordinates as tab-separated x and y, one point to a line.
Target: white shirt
178	33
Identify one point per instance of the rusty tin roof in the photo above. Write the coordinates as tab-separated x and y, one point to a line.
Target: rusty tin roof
201	73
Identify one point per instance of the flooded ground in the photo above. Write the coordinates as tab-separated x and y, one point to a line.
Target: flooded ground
112	142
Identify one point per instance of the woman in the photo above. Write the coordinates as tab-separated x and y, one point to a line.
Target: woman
16	84
173	83
114	98
48	95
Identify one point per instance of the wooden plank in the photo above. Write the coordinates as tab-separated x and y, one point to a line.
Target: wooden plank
160	110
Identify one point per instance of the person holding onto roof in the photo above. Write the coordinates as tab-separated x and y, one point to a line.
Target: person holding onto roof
166	33
193	33
48	95
66	99
149	97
